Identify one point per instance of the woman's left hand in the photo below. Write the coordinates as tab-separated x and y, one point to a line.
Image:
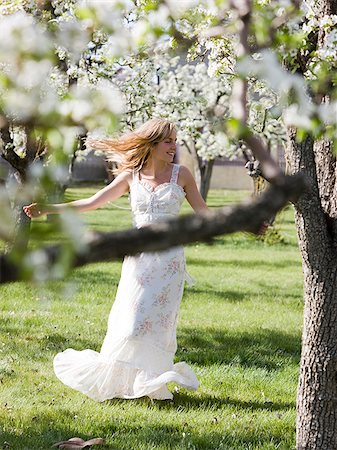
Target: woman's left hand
34	210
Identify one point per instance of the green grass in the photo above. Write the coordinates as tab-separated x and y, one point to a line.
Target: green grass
239	328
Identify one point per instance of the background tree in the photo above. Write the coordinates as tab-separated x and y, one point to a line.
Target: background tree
316	223
43	90
309	152
185	93
192	89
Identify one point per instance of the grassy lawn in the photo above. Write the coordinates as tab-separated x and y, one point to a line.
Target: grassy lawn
239	328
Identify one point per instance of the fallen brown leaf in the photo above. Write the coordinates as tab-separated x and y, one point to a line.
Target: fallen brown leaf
77	443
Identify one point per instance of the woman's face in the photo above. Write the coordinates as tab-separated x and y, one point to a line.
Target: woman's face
166	149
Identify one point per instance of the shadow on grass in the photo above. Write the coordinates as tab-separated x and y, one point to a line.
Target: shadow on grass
232	296
222	294
38	348
59	343
265	349
41	432
250	264
189	402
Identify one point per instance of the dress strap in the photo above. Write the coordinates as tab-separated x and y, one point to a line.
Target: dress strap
175	173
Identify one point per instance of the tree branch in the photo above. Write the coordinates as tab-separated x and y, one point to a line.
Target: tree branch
180	231
270	169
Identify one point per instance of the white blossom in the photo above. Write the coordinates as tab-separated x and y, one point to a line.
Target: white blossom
73	38
159	18
31	74
327	112
21	35
20	104
296	117
92	104
328	51
74	228
281	81
178	7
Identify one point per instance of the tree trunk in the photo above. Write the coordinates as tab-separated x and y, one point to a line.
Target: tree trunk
316	215
20	232
317	390
190	146
197	173
206	169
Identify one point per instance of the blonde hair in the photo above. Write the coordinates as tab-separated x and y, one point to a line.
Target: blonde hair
132	150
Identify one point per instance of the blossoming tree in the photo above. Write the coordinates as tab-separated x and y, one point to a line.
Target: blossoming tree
288	45
185	93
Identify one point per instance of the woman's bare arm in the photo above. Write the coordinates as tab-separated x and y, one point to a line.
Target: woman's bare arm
118	187
193	196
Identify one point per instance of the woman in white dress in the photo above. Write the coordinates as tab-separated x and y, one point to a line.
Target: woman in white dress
136	358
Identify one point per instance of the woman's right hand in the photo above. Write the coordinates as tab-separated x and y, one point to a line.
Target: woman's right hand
34	210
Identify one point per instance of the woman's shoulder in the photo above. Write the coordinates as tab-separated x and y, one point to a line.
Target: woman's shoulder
185	177
184	171
126	175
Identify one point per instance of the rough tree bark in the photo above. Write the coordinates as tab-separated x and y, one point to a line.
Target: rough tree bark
316	226
317	391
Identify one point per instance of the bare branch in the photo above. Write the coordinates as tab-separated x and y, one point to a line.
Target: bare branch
189	149
270	169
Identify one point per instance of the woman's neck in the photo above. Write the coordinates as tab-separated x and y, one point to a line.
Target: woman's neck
155	168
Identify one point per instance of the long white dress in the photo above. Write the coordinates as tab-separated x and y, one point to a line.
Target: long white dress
136	358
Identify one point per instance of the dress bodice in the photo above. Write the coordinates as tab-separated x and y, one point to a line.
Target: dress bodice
157	204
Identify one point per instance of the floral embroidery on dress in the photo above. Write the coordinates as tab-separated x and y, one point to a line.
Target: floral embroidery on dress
165	321
173	266
138	307
163	297
145	327
145	279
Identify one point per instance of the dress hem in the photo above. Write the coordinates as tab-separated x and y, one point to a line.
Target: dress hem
86	372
